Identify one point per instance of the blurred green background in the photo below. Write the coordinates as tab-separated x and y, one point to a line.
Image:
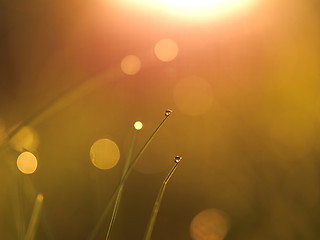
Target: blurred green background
245	94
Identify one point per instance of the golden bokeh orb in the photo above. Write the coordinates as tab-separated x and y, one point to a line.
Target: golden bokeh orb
25	139
166	50
210	224
104	154
27	163
130	64
138	125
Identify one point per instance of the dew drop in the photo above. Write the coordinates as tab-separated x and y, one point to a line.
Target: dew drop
167	112
177	159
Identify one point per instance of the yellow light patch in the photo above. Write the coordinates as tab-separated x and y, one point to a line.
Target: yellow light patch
138	125
104	154
27	163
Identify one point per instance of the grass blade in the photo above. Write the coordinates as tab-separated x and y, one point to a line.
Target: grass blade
157	203
78	90
125	176
119	195
33	224
21	210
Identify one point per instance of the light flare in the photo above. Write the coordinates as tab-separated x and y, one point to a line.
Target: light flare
190	9
210	224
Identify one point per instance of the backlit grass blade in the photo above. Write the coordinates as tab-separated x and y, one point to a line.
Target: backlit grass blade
45	224
157	203
119	195
33	224
125	176
21	210
78	90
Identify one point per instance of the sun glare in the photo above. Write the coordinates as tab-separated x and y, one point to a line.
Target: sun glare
190	9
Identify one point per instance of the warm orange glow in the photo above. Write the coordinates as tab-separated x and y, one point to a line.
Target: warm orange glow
130	64
190	9
27	163
211	224
166	50
193	95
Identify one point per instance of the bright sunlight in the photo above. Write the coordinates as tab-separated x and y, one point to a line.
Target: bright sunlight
191	9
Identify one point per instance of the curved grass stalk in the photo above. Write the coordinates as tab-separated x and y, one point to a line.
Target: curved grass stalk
74	92
157	203
125	176
119	195
33	224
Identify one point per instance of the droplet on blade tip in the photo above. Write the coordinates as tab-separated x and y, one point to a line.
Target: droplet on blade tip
177	159
167	112
40	197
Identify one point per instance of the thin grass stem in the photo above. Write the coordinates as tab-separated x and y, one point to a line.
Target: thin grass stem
124	178
44	219
33	224
119	195
157	203
21	200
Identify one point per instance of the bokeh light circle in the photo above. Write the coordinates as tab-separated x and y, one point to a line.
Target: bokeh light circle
27	163
25	139
138	125
193	95
210	224
130	64
166	50
104	154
